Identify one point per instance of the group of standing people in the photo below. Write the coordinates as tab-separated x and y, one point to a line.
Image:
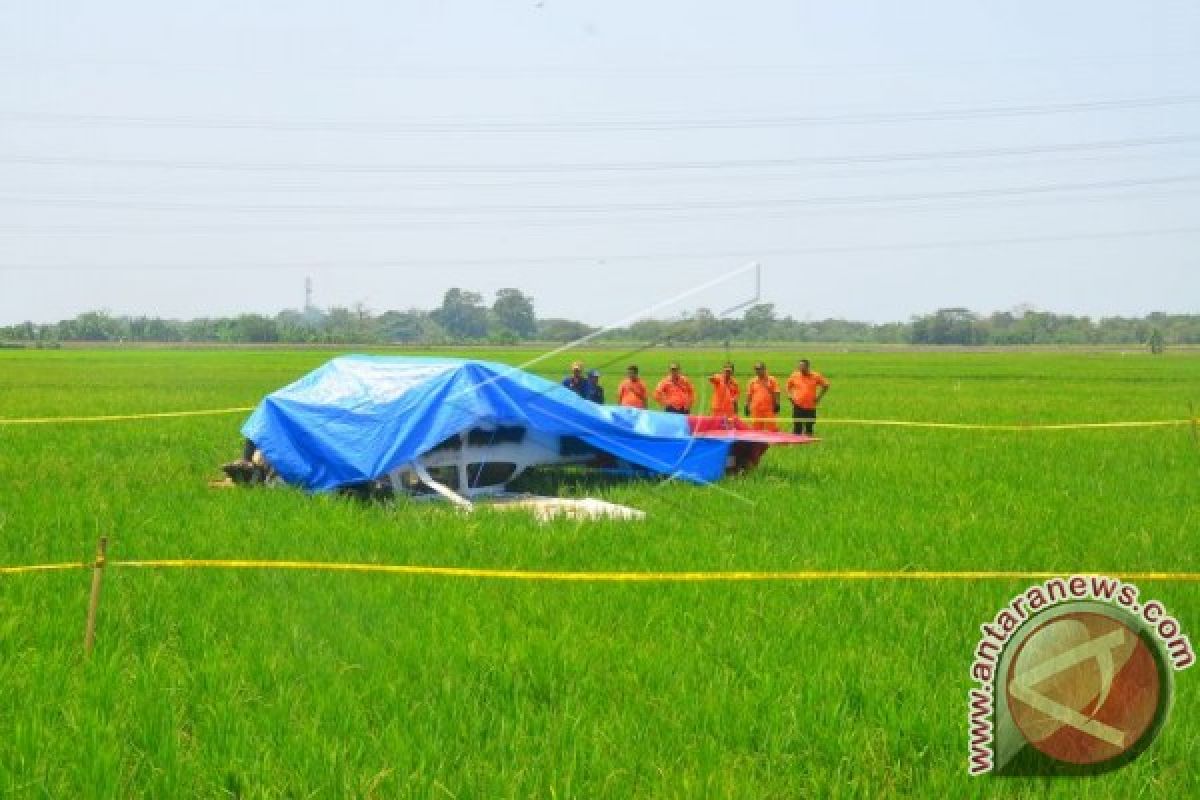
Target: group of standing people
676	394
588	387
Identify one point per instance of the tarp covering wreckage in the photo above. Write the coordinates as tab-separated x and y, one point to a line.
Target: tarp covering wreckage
357	418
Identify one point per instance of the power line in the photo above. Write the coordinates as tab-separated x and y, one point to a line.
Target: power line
35	61
645	166
558	260
600	124
455	210
395	226
625	219
303	183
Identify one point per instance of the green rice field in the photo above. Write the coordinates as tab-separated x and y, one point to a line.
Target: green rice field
258	683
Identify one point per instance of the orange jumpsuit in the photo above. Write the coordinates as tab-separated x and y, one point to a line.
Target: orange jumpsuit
725	395
675	395
760	396
803	388
632	392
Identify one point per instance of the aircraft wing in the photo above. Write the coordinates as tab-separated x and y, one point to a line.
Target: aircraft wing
737	430
758	437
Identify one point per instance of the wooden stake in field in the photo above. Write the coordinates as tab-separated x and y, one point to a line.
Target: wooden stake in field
89	634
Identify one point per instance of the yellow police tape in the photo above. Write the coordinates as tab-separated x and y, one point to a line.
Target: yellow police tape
738	576
205	412
1066	426
21	569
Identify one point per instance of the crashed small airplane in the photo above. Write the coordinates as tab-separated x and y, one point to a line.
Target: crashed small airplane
464	430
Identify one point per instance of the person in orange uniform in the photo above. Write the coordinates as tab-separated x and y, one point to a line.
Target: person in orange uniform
725	392
806	388
762	399
675	392
632	392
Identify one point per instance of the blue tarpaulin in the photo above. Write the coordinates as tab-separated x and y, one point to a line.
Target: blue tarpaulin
358	417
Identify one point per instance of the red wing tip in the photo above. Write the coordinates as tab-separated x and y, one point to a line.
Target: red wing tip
763	437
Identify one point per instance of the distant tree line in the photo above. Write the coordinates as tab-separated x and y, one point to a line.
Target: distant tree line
464	318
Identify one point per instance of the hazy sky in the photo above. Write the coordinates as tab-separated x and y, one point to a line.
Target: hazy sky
878	158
